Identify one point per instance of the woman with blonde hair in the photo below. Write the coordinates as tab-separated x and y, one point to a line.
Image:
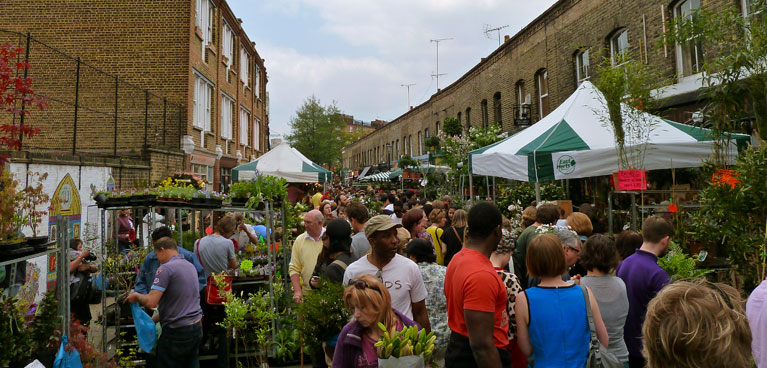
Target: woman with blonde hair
370	302
438	219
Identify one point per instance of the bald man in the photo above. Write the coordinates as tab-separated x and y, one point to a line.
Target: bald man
303	257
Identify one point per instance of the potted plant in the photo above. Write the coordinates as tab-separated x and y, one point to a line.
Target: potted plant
32	197
10	219
101	197
239	193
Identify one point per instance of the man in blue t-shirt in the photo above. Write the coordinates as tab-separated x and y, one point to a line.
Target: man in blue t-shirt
175	292
151	264
644	279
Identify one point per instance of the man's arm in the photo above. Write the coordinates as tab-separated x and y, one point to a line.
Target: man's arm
294	270
141	285
420	315
149	300
480	326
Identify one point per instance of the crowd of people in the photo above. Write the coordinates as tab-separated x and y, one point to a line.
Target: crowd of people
492	298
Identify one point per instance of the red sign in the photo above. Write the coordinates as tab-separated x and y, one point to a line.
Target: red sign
632	180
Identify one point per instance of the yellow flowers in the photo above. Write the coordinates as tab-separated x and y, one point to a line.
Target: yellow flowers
409	341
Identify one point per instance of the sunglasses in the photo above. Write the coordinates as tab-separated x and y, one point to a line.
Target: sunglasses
362	285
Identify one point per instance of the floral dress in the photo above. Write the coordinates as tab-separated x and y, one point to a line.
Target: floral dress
436	304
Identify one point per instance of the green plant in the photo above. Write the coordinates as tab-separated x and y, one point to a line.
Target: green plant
322	314
452	127
409	341
734	214
43	330
287	341
14	337
679	265
32	197
407	161
524	194
9	198
432	141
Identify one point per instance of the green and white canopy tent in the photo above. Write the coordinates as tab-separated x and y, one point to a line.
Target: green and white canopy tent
383	176
573	141
286	162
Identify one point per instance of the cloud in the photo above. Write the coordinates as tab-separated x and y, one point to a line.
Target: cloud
359	52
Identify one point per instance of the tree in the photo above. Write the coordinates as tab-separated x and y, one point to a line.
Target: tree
317	132
626	85
452	127
734	73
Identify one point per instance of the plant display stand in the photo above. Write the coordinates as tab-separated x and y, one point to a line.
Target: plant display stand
191	223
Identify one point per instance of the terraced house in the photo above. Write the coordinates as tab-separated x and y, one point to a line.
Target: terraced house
153	86
535	70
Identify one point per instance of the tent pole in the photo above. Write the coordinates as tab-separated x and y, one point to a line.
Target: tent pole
537	193
494	187
471	189
487	185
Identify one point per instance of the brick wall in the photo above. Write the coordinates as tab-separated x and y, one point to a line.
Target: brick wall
548	43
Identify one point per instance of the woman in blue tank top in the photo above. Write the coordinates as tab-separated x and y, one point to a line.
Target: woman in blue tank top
551	318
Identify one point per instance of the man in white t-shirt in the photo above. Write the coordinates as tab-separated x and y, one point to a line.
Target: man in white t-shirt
400	275
244	233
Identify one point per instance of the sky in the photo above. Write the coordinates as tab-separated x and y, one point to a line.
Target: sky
358	53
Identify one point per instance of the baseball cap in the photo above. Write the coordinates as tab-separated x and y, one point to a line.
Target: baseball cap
380	223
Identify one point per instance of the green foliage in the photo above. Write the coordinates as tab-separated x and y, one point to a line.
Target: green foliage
524	194
679	265
628	82
322	315
14	337
456	148
452	127
734	215
734	73
287	343
407	161
42	330
318	132
431	141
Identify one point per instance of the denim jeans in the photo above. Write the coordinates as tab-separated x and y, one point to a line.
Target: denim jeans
179	347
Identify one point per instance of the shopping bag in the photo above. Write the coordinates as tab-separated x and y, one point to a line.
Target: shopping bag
410	361
145	329
212	291
67	360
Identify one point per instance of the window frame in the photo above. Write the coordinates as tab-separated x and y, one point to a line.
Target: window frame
690	48
614	44
257	134
485	114
201	113
244	65
582	65
227	43
497	108
227	107
541	76
244	133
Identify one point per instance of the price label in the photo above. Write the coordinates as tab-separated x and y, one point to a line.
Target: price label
632	180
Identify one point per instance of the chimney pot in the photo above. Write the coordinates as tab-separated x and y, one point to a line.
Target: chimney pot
506	37
411	107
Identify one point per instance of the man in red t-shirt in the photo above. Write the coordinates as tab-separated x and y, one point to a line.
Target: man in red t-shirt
476	296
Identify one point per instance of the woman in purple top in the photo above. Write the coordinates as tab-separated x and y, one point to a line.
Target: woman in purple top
371	303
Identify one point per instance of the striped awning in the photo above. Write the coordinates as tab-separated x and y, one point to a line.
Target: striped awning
383	176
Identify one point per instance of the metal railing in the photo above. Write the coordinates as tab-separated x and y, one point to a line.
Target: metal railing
90	112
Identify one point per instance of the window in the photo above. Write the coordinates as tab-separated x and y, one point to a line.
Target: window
426	133
437	128
582	65
203	19
410	144
542	82
227	107
468	117
350	128
227	44
689	56
485	116
203	93
244	121
205	172
244	65
459	118
420	144
257	81
396	148
521	97
619	45
497	108
257	134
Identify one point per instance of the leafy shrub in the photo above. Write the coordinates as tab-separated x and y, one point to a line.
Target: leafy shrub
679	265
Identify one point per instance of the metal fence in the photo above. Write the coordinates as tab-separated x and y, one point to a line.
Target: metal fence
91	112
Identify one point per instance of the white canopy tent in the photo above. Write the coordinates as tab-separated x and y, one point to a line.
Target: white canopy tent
286	162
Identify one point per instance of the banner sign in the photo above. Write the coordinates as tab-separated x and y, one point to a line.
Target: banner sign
632	180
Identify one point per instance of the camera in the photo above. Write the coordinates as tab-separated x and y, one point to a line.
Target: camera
91	257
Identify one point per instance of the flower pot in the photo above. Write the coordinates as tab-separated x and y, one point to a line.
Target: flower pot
100	198
239	201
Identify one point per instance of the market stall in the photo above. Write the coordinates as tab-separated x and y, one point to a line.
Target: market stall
286	162
575	141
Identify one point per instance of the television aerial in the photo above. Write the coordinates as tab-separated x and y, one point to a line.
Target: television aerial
488	30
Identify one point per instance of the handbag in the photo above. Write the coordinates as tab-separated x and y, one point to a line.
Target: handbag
598	356
212	289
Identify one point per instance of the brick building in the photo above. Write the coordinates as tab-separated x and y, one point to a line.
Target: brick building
176	83
354	126
535	70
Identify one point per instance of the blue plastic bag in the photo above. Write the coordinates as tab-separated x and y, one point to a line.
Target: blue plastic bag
145	329
67	360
